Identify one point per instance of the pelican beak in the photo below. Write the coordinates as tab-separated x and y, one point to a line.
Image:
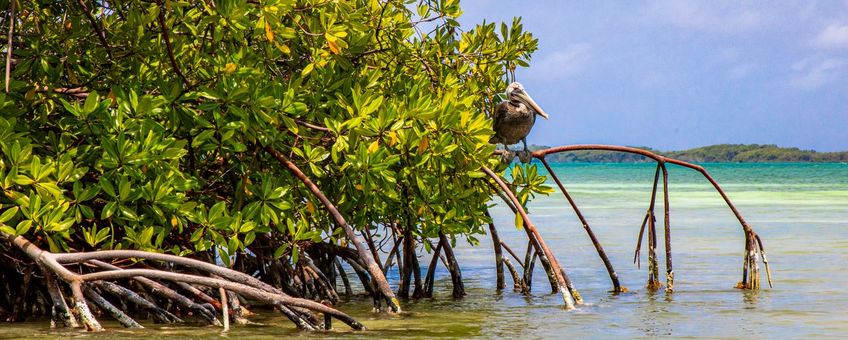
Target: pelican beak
529	100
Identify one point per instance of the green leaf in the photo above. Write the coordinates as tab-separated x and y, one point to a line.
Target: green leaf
7	230
108	210
280	250
248	239
23	227
23	180
8	214
51	188
91	103
107	186
61	226
124	188
128	212
308	69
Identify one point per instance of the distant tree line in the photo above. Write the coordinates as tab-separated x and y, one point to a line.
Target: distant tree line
712	153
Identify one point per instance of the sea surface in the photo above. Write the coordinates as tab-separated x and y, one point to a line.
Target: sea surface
799	210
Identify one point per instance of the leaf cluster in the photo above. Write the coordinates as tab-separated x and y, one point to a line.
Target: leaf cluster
143	124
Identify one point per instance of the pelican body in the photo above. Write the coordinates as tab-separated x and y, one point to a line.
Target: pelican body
514	118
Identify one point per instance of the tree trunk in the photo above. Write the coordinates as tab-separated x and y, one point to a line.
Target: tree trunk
453	267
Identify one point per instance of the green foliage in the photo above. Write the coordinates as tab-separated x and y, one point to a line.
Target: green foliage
146	127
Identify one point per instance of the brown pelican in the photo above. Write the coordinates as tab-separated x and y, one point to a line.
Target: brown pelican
513	120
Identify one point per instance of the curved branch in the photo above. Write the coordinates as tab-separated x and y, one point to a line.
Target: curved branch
183	261
751	238
100	33
233	281
365	256
168	45
616	286
568	294
246	290
542	153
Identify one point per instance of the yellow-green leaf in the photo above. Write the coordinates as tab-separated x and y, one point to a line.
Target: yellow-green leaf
269	34
374	146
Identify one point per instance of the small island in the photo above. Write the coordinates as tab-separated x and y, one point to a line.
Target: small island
736	153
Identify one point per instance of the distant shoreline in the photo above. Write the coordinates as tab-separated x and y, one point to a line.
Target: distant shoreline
724	153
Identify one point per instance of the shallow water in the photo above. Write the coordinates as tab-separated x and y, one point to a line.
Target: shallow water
800	211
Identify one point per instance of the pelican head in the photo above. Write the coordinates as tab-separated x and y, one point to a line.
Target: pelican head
515	92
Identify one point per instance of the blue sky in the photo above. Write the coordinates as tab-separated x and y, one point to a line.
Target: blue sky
679	74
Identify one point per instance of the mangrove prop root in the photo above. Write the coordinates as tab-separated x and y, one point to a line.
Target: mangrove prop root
207	313
669	271
116	313
546	264
200	295
225	310
237	310
653	265
598	247
343	274
390	260
362	274
753	245
453	267
765	260
512	253
545	254
230	280
528	271
372	246
648	215
518	282
431	271
60	308
81	308
377	275
159	314
549	271
328	288
496	243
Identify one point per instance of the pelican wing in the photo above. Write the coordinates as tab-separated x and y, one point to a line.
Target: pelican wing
500	113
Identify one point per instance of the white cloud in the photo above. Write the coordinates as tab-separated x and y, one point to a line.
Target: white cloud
833	36
813	73
565	63
708	16
742	70
729	55
653	80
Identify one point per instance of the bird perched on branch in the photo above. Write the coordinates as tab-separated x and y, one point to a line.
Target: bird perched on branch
513	119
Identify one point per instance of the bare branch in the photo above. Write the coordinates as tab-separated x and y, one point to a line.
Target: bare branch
100	33
9	44
168	44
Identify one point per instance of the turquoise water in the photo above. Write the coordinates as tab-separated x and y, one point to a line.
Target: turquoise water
800	211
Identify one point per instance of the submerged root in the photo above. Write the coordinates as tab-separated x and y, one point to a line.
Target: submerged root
116	313
556	273
753	245
518	282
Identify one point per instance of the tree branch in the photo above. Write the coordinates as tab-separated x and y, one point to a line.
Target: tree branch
100	33
9	44
168	45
